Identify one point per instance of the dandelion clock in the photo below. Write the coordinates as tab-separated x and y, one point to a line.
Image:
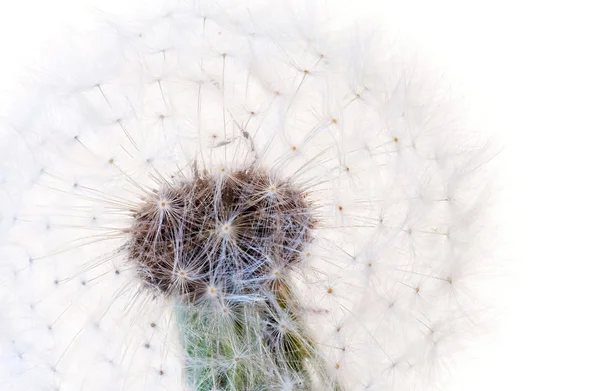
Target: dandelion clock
230	196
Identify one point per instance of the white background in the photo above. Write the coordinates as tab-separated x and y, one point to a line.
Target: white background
532	69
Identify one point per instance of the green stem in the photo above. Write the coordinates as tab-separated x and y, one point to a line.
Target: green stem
247	349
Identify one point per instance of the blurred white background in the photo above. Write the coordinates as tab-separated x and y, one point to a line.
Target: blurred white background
532	71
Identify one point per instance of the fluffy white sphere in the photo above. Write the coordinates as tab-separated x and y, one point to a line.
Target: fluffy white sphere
367	129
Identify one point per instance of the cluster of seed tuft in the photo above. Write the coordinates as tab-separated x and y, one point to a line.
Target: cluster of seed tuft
312	137
232	232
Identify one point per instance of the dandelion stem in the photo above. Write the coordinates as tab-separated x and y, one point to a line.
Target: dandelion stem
256	345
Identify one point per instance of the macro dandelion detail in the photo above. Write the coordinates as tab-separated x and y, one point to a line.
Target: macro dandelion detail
223	246
232	197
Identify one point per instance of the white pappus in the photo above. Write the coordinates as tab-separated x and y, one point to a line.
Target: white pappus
234	197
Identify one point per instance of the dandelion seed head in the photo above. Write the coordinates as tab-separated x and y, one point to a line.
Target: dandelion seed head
212	167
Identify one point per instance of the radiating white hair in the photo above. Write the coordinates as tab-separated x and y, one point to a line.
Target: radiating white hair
355	120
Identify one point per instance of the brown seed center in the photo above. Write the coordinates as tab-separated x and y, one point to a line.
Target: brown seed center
271	232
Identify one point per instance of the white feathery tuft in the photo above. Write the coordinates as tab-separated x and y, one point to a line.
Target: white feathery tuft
386	287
